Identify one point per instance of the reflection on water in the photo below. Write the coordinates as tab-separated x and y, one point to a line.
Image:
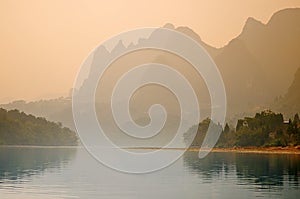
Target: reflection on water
212	165
266	170
48	173
269	170
17	163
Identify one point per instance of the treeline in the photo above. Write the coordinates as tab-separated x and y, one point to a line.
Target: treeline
18	128
265	129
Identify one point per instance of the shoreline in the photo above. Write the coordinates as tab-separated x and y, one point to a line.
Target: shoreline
257	150
40	146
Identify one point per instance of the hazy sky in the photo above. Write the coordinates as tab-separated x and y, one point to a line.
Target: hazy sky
43	43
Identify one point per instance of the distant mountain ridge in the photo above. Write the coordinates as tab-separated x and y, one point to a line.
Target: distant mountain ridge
57	110
257	66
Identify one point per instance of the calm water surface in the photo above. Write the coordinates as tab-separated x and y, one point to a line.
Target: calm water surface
72	173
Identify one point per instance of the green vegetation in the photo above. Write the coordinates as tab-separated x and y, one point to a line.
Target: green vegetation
18	128
265	129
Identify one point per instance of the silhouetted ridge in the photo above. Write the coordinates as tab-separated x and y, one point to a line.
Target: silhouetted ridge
257	66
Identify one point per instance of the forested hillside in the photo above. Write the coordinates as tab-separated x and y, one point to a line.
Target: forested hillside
18	128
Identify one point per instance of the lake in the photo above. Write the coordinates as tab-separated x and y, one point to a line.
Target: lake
47	173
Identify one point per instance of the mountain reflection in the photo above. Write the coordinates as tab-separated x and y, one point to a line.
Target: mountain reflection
16	163
266	170
269	169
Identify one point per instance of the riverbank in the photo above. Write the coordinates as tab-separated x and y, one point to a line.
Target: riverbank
39	146
260	150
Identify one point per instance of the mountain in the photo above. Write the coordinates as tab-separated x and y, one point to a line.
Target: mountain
188	31
274	46
257	67
289	104
259	64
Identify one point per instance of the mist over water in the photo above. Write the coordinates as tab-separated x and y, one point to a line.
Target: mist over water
72	173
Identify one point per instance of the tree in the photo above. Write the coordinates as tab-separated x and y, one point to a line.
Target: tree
296	119
226	128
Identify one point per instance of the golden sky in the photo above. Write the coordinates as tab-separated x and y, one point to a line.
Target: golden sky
43	42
